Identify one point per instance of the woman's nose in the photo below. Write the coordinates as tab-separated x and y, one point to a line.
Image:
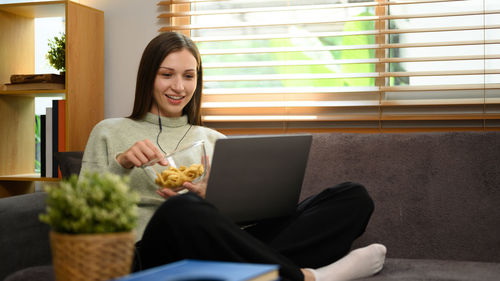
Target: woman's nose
177	84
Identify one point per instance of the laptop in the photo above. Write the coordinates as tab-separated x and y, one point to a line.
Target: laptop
257	177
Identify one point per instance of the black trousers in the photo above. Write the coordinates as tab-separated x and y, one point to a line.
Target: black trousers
320	232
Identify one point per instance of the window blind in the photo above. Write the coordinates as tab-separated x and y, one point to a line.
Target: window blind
316	65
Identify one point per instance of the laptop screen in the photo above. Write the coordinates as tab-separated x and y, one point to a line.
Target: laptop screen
258	177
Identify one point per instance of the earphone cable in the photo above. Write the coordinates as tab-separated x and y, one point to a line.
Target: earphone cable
161	129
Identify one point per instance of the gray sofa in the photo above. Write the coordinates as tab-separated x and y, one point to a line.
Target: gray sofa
437	203
437	198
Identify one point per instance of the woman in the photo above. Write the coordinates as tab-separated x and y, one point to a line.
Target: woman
166	116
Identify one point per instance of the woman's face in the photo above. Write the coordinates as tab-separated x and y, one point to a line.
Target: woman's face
175	83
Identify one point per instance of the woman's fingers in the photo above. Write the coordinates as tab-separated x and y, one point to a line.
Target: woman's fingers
141	153
156	152
207	168
199	188
166	192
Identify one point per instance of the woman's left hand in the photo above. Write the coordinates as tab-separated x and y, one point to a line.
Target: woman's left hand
167	192
199	188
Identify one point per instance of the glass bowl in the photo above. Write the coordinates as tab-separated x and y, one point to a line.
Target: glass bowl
187	164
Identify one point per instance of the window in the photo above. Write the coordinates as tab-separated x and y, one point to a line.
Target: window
325	65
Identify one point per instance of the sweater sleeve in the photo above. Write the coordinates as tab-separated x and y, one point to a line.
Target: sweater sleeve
99	155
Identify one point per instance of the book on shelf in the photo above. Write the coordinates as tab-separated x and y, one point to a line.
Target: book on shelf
36	78
61	130
58	133
207	270
53	137
43	140
48	142
33	86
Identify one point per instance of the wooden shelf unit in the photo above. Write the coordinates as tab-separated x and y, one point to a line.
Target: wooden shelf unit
84	85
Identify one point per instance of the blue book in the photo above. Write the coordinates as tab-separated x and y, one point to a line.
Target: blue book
190	270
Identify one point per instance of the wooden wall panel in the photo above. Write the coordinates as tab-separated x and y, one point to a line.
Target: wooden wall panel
84	74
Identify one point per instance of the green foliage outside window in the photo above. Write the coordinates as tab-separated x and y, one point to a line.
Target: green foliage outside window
358	54
37	144
305	56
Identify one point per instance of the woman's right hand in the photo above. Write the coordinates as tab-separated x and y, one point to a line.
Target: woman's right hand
141	153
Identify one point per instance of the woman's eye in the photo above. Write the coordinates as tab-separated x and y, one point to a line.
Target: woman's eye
189	76
166	74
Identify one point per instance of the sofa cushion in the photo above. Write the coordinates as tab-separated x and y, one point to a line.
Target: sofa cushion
436	194
434	270
38	273
24	239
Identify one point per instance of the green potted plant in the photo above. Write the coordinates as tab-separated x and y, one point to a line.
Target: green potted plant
92	221
57	53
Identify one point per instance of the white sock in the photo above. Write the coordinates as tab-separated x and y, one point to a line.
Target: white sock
362	262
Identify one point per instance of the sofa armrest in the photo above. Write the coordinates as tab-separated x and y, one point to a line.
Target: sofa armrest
24	240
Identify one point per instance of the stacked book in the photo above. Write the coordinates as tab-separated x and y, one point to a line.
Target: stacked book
20	82
52	138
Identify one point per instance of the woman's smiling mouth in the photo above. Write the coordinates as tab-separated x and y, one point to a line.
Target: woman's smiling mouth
175	99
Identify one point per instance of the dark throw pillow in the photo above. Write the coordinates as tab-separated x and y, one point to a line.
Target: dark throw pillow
70	162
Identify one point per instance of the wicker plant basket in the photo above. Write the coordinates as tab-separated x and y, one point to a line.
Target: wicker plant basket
91	256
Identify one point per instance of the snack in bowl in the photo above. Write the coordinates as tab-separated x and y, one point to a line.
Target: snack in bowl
192	172
174	177
184	165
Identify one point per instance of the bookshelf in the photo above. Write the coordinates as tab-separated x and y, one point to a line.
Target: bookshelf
83	91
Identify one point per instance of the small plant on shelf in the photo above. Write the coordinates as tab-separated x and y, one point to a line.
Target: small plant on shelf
56	54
